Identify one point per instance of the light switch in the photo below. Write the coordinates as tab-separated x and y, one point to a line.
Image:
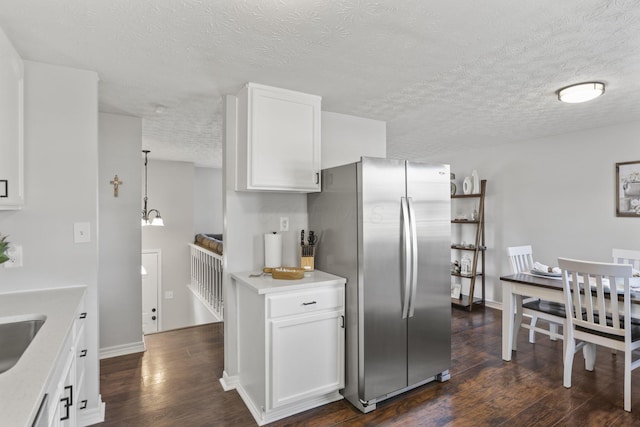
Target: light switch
81	232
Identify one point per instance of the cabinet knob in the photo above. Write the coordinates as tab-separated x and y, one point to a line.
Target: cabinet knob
83	315
83	353
153	317
153	310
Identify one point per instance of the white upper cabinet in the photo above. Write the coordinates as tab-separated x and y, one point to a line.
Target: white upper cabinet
11	126
278	140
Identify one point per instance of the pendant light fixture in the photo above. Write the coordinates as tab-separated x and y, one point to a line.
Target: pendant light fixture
581	92
146	214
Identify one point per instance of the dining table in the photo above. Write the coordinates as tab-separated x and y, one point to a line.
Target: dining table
516	287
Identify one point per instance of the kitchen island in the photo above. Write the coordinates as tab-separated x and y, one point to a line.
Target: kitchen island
285	352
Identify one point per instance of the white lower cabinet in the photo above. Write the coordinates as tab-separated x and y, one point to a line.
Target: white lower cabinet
290	346
65	390
307	354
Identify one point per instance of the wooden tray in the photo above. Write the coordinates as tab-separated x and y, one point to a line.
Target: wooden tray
285	273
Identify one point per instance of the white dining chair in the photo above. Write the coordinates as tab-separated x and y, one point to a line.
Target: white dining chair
598	320
626	256
521	259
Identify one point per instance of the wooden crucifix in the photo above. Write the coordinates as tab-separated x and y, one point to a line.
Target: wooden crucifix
116	182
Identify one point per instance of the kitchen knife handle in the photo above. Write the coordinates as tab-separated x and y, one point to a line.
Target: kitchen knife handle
406	259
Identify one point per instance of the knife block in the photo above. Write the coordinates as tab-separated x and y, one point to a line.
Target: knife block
307	257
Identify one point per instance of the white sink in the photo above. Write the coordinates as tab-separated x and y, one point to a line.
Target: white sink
16	333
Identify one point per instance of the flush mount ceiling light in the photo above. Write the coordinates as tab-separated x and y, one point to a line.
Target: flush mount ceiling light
581	92
147	218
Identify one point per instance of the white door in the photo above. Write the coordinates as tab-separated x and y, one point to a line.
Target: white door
150	284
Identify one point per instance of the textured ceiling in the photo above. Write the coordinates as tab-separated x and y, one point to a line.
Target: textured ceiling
445	75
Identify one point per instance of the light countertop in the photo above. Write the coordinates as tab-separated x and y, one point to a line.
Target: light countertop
22	386
266	284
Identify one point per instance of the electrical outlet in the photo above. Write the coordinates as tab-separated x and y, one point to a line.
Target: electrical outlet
168	295
14	252
284	223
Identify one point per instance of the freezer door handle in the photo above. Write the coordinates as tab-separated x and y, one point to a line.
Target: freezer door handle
414	255
406	256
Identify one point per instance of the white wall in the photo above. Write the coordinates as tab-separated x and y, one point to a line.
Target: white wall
556	193
207	204
119	280
61	163
170	190
347	138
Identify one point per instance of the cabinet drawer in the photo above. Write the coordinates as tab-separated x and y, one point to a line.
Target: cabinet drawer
304	301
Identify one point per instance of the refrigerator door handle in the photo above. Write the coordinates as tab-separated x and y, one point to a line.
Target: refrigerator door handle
406	258
414	255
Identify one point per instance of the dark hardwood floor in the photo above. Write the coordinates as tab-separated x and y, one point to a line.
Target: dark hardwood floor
175	383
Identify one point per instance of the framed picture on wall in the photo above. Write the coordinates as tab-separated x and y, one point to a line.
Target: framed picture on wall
628	189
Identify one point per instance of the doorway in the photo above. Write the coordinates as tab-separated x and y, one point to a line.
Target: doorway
151	280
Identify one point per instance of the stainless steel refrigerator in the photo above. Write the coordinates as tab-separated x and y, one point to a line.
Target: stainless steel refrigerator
385	225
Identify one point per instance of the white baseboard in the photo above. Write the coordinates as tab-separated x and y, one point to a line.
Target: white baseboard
493	304
121	350
263	417
228	382
93	415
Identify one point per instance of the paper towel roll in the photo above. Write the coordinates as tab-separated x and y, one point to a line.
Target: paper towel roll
273	250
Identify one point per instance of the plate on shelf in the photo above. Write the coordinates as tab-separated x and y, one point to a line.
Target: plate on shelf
545	273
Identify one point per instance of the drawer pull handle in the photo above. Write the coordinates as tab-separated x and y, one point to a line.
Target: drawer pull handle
70	388
83	353
65	400
309	303
68	402
83	315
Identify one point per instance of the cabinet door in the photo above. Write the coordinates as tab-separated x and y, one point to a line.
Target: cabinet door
11	126
282	140
307	357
